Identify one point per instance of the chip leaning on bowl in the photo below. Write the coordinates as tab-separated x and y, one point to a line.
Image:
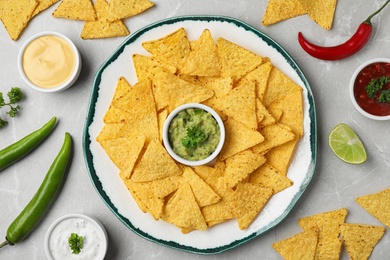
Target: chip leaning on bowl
263	127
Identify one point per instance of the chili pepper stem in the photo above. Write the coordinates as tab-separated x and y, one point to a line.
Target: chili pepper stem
4	244
368	20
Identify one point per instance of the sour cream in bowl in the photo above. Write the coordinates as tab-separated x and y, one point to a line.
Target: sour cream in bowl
81	227
49	62
194	134
370	89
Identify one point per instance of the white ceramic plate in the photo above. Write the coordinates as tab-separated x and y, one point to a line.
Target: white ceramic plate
105	176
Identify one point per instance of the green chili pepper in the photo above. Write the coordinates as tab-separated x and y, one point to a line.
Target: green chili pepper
35	209
17	150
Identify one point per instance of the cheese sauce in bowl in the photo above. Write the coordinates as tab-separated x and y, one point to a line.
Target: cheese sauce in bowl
93	234
49	62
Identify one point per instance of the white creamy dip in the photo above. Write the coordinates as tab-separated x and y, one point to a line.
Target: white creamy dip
94	246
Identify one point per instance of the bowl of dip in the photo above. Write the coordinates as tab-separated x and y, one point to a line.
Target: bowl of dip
49	62
194	134
370	89
94	238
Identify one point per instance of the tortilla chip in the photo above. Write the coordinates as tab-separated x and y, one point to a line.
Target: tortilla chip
378	205
76	10
146	67
204	194
155	164
280	157
299	246
236	60
320	11
114	114
120	9
240	104
274	135
203	59
210	175
269	176
162	116
166	186
280	10
238	138
260	75
220	211
169	90
15	15
240	166
124	152
328	224
249	200
102	27
183	211
43	5
360	240
171	49
267	117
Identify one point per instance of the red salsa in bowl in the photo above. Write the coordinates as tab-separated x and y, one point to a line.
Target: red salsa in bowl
370	89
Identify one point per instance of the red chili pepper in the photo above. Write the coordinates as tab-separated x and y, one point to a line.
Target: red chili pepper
348	48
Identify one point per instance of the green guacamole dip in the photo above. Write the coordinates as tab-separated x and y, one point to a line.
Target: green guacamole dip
194	134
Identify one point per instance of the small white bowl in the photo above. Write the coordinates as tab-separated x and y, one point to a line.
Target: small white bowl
210	159
72	78
56	240
352	85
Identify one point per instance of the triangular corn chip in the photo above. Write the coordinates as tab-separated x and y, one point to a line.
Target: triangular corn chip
269	176
43	5
76	10
280	10
320	11
120	9
378	205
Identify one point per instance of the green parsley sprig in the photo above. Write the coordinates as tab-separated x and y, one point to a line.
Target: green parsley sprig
15	95
194	137
375	89
76	243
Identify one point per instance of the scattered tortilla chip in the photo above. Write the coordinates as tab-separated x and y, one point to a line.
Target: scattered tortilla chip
102	27
378	205
171	49
238	138
204	194
155	164
280	10
203	59
329	245
360	240
43	5
183	211
15	15
321	11
240	104
120	9
76	10
249	200
124	152
299	246
269	176
236	60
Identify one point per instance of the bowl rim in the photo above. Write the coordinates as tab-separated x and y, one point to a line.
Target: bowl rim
208	160
73	77
96	223
352	84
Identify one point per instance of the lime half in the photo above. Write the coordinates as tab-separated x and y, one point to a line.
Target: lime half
346	145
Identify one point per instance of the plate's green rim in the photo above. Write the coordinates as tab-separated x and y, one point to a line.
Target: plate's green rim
88	157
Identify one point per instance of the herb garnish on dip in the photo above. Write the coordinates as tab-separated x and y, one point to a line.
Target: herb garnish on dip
194	134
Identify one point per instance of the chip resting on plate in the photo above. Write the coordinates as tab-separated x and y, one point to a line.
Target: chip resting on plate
360	240
378	205
15	15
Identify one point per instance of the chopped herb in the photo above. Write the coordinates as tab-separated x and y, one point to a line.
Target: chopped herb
15	95
374	89
76	243
194	137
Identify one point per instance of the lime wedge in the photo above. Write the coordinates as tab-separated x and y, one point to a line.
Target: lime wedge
346	145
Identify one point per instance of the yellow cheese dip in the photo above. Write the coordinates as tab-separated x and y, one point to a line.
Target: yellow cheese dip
48	61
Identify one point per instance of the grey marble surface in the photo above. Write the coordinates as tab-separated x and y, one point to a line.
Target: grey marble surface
335	184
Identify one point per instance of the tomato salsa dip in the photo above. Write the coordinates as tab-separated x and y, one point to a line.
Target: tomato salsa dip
194	134
372	88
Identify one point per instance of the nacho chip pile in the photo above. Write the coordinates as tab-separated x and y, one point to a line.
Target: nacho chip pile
325	233
263	126
320	11
103	19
